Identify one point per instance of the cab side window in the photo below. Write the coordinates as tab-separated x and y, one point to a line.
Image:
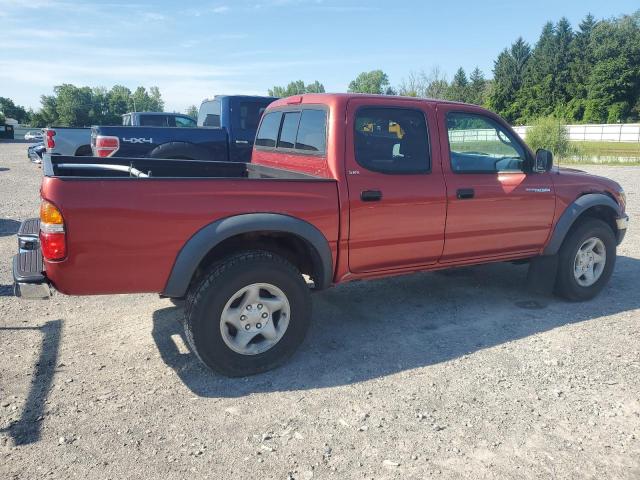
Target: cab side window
392	140
185	122
479	144
268	133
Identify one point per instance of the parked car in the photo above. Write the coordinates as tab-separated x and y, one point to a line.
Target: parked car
77	141
35	152
232	122
33	135
340	188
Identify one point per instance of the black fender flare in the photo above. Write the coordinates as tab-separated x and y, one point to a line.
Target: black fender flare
571	214
205	239
180	150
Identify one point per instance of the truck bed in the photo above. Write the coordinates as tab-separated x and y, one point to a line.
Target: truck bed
60	166
127	219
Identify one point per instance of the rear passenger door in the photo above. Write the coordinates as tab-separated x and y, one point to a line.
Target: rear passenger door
396	189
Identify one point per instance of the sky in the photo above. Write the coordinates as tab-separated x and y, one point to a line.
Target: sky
197	49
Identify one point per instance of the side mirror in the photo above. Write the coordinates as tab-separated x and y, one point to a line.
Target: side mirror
543	161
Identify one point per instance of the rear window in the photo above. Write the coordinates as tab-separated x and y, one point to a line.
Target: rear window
156	121
209	114
288	131
250	114
304	130
268	132
312	132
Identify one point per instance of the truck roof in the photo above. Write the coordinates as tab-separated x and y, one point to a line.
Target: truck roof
331	98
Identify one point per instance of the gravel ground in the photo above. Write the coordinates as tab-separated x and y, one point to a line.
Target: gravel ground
461	374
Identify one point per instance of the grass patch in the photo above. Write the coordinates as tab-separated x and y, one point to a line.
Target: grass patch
603	153
609	148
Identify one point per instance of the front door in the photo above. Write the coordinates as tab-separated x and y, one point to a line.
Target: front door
496	205
396	189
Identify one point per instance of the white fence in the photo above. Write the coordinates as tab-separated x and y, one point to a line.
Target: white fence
624	132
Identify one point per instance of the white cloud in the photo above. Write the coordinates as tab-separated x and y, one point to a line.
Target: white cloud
220	9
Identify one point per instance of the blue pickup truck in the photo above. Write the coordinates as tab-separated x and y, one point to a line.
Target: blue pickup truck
225	131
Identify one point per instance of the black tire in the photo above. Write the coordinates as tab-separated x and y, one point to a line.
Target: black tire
206	300
566	284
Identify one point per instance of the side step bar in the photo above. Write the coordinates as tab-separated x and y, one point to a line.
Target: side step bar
28	235
28	277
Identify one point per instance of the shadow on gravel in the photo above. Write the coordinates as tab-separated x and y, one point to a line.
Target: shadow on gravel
26	430
365	330
6	290
8	227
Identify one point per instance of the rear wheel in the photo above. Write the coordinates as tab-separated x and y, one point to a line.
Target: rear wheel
586	261
248	314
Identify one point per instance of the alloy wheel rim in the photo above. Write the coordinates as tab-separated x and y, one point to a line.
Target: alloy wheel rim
255	319
590	261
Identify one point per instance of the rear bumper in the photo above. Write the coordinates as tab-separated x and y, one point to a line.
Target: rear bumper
29	280
622	223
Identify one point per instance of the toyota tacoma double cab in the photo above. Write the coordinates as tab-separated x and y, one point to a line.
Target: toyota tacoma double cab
340	187
225	131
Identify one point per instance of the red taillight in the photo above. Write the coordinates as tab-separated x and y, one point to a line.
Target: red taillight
53	241
49	140
53	245
106	146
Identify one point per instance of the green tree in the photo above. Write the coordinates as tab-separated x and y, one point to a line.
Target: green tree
375	82
192	111
613	87
2	119
11	110
296	88
477	88
459	89
580	66
118	102
508	77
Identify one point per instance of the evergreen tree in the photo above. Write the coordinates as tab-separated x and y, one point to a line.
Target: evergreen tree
477	87
459	89
508	76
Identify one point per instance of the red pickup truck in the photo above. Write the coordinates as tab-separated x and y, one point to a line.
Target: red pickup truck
340	187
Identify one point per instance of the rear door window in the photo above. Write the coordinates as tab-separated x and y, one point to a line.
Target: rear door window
392	140
268	133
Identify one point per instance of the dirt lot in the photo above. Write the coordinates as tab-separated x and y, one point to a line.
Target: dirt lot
461	374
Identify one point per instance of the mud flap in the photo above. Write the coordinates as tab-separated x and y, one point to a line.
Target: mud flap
541	277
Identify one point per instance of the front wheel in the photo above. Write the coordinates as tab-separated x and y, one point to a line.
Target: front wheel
248	314
586	261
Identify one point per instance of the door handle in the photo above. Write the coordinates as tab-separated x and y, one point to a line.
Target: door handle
371	195
243	142
465	193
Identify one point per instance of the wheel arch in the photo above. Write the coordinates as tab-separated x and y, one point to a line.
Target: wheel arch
590	205
297	240
180	150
